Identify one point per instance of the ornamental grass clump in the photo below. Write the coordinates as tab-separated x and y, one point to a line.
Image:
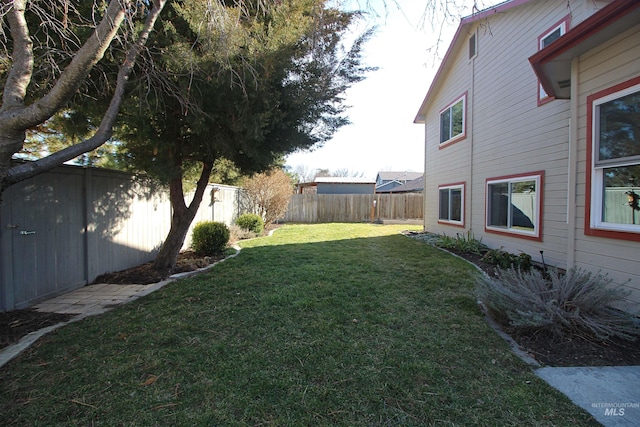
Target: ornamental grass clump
461	243
577	302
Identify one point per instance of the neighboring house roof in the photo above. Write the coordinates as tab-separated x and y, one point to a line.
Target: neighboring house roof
412	186
398	176
459	39
342	180
553	63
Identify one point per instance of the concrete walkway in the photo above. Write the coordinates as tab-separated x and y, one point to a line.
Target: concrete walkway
94	299
610	393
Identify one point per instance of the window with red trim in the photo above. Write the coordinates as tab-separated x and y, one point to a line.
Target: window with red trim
544	40
614	161
453	121
451	204
514	205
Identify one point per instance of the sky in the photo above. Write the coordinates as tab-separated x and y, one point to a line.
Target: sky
382	135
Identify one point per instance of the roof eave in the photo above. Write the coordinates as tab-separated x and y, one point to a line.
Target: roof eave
552	64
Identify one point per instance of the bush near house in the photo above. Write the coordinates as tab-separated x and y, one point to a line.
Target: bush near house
576	302
209	238
503	259
462	243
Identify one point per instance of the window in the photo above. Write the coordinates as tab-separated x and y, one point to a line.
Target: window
548	37
452	121
514	205
473	46
614	163
451	204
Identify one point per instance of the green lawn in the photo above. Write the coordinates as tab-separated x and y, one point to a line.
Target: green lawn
333	324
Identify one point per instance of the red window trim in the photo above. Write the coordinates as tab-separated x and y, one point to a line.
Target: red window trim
538	237
462	184
460	137
588	230
567	21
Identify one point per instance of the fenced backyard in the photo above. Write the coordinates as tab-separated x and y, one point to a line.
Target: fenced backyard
324	208
60	230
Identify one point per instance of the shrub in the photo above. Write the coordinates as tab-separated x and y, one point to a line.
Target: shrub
577	302
250	222
268	194
504	259
238	233
209	238
462	243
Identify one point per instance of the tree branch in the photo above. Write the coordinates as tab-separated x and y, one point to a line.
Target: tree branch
27	170
71	78
21	70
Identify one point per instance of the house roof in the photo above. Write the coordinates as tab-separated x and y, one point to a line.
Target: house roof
342	180
413	185
553	63
459	39
398	176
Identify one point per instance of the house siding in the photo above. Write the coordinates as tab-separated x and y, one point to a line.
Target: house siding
609	64
509	133
502	89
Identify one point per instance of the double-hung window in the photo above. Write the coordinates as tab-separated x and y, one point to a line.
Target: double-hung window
544	40
451	204
514	205
614	136
452	121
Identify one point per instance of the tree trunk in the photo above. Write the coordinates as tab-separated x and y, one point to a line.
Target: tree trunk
181	219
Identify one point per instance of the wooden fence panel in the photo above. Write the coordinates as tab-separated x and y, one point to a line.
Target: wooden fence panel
322	208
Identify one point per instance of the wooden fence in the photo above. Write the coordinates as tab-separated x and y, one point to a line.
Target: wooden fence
61	229
321	208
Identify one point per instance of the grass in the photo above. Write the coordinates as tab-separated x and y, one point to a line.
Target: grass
328	325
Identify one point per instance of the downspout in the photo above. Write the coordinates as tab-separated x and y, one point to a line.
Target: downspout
470	119
424	183
572	166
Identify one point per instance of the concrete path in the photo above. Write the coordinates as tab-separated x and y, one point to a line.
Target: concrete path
610	393
94	299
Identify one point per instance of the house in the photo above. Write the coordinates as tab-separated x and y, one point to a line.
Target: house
337	185
532	134
386	180
413	186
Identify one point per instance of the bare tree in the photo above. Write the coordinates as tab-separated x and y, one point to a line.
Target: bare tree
269	194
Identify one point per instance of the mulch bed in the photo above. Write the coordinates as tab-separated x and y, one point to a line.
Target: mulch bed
145	274
572	351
